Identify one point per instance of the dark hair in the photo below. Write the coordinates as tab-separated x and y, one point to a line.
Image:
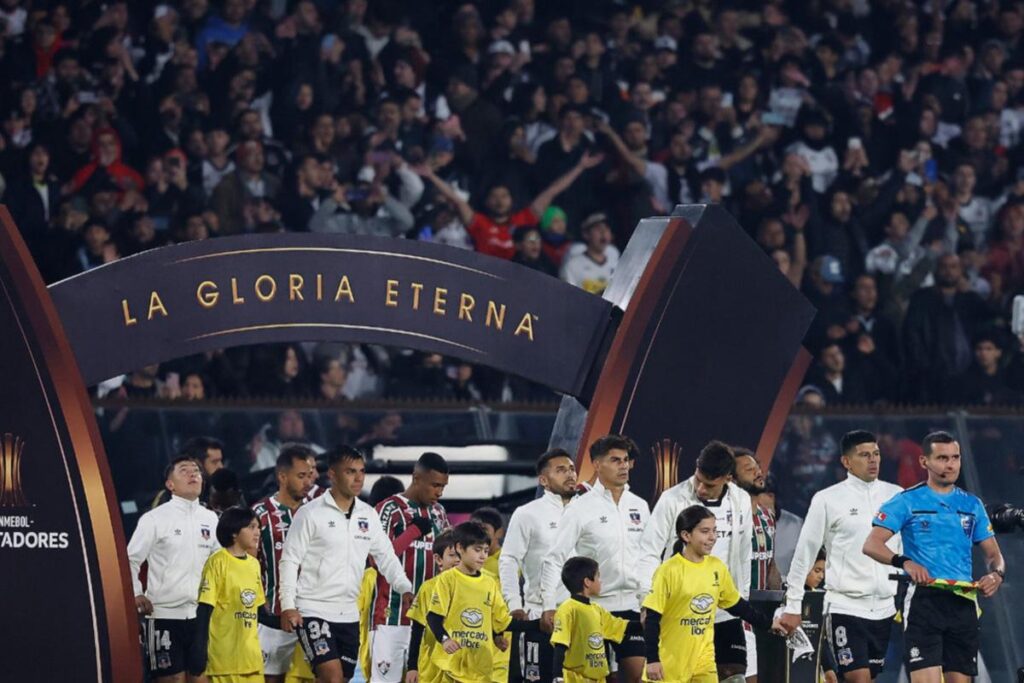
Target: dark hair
231	522
821	555
470	533
198	447
177	461
716	460
385	487
290	453
547	456
934	438
687	521
576	570
224	480
432	462
740	452
609	443
855	438
489	516
444	540
341	453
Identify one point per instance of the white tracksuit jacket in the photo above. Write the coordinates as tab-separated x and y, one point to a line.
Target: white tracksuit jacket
530	535
176	539
595	526
839	520
331	550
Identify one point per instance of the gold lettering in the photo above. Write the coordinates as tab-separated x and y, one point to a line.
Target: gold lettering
391	298
128	319
439	300
235	299
492	311
345	290
295	283
319	286
417	287
155	306
466	303
207	294
259	292
525	326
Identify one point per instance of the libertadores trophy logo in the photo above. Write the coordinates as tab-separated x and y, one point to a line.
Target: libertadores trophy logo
666	464
11	495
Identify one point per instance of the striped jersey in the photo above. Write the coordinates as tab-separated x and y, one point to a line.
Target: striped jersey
763	547
274	519
396	515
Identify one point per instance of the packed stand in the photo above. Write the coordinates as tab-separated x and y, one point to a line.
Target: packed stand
872	149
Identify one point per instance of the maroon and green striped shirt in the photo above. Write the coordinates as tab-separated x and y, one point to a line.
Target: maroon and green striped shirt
396	515
274	519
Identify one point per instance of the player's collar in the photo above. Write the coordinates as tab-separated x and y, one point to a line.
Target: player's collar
185	504
553	498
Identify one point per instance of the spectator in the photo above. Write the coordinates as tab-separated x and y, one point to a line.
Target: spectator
492	232
267	443
941	320
985	381
366	208
235	198
592	269
529	251
331	375
838	385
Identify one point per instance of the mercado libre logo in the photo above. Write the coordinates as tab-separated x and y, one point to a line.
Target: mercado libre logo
16	529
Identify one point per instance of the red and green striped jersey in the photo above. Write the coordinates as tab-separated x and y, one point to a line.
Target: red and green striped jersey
396	515
274	519
763	547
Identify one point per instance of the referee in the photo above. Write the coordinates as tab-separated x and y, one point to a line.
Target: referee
939	523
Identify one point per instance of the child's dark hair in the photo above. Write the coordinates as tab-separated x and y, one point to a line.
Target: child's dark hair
490	516
821	555
575	571
444	540
687	521
470	533
231	522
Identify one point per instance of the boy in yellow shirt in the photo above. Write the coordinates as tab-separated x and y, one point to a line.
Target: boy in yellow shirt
227	647
420	667
582	626
679	628
467	612
494	524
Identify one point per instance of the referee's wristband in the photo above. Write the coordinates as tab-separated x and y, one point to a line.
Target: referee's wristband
898	561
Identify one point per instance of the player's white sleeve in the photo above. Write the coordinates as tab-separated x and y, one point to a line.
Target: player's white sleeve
387	562
561	550
139	546
745	537
812	537
660	528
513	552
295	545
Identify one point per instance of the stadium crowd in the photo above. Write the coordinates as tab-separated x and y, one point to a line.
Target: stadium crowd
873	149
314	582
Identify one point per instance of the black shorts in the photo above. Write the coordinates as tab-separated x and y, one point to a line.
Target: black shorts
631	645
858	643
324	641
941	629
730	643
532	657
168	642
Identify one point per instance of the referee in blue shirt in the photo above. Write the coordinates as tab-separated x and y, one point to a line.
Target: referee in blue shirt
939	523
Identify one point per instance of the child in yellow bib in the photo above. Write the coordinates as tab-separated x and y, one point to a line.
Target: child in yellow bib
582	626
687	589
227	647
467	611
494	524
420	667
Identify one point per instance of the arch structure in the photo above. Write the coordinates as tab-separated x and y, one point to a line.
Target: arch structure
697	337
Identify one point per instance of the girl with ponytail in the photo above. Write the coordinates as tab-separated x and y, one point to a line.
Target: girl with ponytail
688	587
